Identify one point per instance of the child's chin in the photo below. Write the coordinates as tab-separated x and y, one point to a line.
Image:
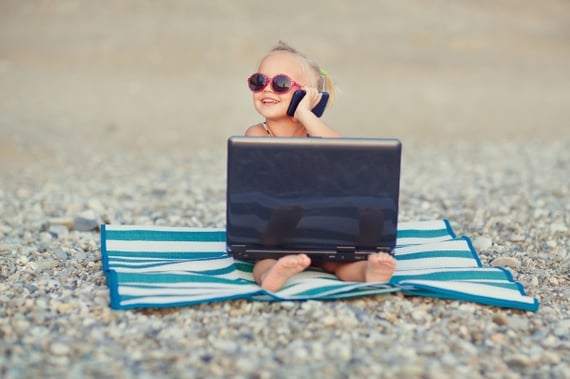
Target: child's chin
273	113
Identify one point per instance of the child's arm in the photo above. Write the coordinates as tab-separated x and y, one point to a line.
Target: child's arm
314	125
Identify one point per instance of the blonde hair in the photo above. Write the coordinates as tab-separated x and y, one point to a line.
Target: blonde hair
323	80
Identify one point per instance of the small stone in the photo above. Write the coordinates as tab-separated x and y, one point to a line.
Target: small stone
8	247
550	358
506	262
518	238
562	328
61	254
4	229
553	281
558	228
58	230
329	320
86	221
518	322
59	348
482	243
45	237
22	261
80	255
96	205
518	360
66	221
500	319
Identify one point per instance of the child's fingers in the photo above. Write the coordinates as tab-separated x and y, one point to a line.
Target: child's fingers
313	97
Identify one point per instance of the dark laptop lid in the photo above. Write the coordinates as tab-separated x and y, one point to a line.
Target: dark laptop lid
303	194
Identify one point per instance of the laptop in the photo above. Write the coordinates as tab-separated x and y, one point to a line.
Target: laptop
334	199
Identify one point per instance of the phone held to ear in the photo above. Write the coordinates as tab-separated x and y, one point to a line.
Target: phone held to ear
317	110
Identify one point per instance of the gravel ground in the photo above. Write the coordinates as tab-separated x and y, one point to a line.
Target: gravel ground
112	114
55	321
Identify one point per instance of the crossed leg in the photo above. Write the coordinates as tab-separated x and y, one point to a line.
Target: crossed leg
378	268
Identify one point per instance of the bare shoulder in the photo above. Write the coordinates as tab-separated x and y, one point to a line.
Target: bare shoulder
256	130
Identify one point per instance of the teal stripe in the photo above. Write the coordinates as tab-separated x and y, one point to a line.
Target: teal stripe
161	235
214	272
449	228
362	292
113	284
168	255
472	274
104	256
506	285
244	267
218	271
139	266
435	254
415	233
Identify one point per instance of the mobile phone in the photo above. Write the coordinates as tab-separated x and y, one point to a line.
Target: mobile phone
317	110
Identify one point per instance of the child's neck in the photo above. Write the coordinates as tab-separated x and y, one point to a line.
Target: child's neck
285	128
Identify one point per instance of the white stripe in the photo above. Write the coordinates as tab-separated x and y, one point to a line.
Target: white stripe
316	284
180	266
435	262
436	270
420	241
422	225
448	245
112	227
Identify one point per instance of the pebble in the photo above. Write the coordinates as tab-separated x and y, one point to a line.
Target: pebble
4	229
59	348
482	243
506	262
518	360
58	230
500	319
518	238
86	221
558	228
66	221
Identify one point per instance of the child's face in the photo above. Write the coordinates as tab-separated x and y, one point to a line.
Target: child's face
267	102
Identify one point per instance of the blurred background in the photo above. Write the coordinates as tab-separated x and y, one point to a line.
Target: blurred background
100	76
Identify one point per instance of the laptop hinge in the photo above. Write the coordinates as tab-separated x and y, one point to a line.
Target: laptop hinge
346	249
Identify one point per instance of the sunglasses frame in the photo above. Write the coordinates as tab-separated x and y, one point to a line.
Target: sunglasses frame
269	80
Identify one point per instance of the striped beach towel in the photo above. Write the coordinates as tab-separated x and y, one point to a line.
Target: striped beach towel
157	267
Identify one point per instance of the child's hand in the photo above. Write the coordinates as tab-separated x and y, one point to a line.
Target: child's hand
314	126
309	101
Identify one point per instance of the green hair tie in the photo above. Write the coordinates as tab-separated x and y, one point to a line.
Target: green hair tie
324	73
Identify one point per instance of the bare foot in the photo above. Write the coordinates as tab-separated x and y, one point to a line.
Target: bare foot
380	267
283	270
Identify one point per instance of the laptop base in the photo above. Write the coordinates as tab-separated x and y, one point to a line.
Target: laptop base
341	255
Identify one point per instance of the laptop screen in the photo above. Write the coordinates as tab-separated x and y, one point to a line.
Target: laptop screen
312	193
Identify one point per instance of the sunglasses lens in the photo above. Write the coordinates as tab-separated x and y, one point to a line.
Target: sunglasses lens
257	82
281	84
